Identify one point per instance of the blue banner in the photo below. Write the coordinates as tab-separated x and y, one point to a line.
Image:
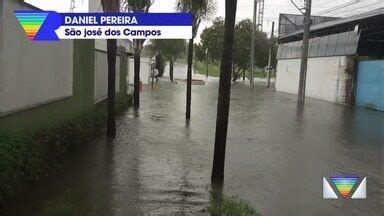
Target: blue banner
50	25
116	19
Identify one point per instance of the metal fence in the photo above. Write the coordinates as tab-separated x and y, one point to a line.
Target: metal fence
289	23
340	44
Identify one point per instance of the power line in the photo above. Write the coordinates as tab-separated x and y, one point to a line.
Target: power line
352	2
351	8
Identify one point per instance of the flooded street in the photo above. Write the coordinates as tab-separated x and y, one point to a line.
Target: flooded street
160	164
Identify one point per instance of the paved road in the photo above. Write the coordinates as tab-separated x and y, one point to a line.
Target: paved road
161	164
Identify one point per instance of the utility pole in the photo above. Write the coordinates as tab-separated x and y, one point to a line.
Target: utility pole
260	15
270	56
152	72
194	65
206	53
304	55
72	6
251	81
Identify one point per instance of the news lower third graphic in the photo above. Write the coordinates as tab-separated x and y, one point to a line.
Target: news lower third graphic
31	22
53	26
347	187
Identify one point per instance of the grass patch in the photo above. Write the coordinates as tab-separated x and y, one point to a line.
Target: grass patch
25	157
214	70
232	206
258	74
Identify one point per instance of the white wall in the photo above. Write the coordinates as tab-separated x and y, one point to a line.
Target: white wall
326	77
32	73
95	6
102	45
101	76
101	64
144	70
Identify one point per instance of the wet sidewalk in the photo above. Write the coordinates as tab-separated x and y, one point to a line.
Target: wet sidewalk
161	164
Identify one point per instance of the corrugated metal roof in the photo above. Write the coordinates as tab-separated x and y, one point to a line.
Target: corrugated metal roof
355	18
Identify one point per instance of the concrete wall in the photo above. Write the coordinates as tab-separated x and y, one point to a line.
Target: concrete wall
32	73
95	6
35	70
328	78
101	76
144	70
124	79
102	45
54	113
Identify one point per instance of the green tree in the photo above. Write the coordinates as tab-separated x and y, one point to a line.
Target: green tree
243	37
170	50
111	6
224	93
199	52
212	38
141	6
200	9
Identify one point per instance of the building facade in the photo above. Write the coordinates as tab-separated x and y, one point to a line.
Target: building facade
345	57
42	84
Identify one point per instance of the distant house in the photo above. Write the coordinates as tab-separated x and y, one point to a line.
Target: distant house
346	59
42	84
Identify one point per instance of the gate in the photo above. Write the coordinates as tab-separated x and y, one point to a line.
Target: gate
370	85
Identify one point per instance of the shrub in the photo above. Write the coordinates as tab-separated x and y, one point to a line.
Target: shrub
229	206
25	157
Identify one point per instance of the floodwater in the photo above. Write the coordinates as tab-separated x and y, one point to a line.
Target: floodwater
160	164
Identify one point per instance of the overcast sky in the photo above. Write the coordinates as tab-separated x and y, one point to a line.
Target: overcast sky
59	5
273	8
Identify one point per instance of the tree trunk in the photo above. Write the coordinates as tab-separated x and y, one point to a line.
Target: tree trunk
189	79
136	90
224	94
171	69
111	6
111	57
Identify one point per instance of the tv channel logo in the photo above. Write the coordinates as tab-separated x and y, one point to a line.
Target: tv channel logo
347	187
